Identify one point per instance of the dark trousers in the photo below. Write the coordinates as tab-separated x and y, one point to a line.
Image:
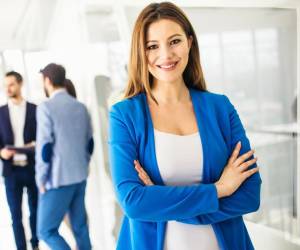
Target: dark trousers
14	185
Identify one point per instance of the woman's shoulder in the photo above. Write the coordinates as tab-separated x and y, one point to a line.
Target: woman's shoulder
129	105
211	97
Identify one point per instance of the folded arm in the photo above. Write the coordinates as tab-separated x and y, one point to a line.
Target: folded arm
151	203
247	197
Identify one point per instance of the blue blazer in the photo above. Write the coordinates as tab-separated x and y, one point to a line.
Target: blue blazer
7	136
148	208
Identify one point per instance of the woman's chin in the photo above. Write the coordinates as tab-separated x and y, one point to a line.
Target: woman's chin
169	79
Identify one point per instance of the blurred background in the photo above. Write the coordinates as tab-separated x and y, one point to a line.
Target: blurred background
249	51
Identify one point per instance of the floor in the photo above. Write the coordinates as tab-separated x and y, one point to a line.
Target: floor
100	207
102	212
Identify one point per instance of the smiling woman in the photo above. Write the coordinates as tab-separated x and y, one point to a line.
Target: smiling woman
181	163
165	38
147	42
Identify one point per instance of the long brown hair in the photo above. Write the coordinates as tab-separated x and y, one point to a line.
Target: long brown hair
70	88
140	79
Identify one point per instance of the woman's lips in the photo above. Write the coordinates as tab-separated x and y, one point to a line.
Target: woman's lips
168	66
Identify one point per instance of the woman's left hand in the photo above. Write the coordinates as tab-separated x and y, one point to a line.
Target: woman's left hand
142	174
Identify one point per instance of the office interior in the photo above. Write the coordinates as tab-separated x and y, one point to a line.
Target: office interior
249	51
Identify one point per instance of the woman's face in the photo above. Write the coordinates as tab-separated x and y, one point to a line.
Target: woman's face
167	50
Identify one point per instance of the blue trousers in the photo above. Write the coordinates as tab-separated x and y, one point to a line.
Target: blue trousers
54	204
15	183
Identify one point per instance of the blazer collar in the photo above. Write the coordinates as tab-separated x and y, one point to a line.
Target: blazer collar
58	92
8	123
27	119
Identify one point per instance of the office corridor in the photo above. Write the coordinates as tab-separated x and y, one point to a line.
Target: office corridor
100	212
249	51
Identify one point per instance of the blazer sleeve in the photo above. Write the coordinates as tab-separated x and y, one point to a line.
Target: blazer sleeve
247	198
1	144
150	203
90	147
44	144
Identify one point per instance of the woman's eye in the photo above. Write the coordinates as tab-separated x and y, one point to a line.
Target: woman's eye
175	41
152	47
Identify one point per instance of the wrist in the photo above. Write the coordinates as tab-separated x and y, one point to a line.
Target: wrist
221	190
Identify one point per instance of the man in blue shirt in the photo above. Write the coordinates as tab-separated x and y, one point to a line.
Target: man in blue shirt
63	149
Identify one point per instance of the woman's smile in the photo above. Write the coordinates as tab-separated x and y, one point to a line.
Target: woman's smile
169	66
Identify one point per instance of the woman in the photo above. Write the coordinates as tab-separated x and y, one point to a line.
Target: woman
70	88
171	132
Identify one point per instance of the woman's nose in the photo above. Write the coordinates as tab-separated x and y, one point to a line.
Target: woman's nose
165	52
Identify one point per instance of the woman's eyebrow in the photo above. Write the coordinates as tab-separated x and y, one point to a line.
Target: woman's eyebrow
169	38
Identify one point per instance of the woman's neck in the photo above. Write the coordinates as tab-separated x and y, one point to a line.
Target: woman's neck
170	92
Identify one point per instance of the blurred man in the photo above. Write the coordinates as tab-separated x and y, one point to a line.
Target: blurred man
17	128
63	149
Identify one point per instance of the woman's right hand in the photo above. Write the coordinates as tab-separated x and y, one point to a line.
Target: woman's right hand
235	172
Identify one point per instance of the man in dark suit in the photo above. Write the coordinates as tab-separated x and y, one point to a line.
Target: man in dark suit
18	128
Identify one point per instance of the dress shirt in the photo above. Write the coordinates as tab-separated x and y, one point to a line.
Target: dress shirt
17	113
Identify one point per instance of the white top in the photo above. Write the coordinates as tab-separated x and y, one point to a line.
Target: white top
17	113
180	162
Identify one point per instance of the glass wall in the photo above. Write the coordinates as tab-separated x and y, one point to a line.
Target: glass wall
249	55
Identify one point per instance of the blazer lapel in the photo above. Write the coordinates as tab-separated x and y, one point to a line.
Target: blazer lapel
200	113
8	125
150	137
27	121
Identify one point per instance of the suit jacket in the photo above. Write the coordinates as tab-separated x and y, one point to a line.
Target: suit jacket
7	136
148	208
64	141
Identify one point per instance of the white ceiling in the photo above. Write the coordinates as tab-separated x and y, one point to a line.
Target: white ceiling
33	24
24	23
11	12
